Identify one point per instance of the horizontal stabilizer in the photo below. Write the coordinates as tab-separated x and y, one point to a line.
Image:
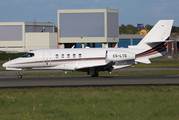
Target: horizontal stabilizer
143	60
160	41
170	40
155	41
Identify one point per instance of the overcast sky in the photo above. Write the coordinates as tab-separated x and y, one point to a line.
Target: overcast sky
130	11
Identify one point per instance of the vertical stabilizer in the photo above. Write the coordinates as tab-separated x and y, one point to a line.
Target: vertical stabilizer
155	42
159	33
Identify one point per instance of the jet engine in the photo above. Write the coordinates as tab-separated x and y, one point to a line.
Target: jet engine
118	55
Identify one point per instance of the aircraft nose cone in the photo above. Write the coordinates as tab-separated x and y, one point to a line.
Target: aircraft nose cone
5	65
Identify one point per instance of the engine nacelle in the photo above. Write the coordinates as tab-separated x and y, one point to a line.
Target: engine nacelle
118	55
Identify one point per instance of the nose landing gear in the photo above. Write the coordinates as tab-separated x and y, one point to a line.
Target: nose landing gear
19	75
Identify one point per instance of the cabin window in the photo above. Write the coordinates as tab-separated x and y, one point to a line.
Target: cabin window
74	55
79	55
62	55
68	55
56	55
28	55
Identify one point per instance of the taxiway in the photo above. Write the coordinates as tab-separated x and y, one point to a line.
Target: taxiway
79	81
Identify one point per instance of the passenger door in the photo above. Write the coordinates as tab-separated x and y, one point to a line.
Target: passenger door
46	58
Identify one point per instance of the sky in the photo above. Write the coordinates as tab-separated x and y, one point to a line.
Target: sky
130	11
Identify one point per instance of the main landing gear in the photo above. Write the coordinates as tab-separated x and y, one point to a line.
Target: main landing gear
95	74
19	75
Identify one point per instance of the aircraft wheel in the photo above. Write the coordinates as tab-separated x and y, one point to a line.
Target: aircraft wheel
95	74
19	76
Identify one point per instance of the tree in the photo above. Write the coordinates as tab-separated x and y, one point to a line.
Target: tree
175	29
122	29
55	28
129	29
148	27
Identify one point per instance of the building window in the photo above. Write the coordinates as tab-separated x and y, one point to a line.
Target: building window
68	55
56	55
62	55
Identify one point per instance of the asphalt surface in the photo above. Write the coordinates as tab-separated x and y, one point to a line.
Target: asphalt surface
2	73
53	81
8	79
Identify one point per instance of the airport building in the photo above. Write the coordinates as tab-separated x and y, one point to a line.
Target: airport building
84	27
88	27
79	27
92	28
25	36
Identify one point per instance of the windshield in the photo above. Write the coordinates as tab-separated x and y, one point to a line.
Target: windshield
28	55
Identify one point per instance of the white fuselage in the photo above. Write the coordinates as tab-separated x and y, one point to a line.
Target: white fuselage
74	59
66	59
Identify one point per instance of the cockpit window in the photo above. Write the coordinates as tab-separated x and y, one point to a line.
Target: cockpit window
28	55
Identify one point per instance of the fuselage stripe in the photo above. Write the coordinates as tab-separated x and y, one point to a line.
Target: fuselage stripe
63	60
159	48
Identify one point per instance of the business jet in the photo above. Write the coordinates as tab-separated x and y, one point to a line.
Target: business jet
93	60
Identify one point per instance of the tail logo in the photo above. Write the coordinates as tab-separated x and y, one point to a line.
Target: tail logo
142	29
143	32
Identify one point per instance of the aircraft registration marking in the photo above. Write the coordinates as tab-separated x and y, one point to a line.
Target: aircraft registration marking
119	55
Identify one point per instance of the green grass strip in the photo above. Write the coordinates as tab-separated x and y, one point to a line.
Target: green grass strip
91	103
149	72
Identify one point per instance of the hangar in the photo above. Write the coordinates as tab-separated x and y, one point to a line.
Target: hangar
25	36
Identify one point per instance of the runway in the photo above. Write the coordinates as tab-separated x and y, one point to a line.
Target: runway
83	81
55	71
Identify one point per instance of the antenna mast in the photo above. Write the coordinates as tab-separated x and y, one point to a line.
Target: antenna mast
34	23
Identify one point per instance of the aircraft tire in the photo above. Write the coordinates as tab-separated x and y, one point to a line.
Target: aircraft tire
95	74
20	76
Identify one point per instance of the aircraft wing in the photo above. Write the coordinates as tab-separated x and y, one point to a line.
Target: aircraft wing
97	65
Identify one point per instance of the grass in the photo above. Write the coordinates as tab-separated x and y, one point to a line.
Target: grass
136	103
160	63
1	68
102	103
157	65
